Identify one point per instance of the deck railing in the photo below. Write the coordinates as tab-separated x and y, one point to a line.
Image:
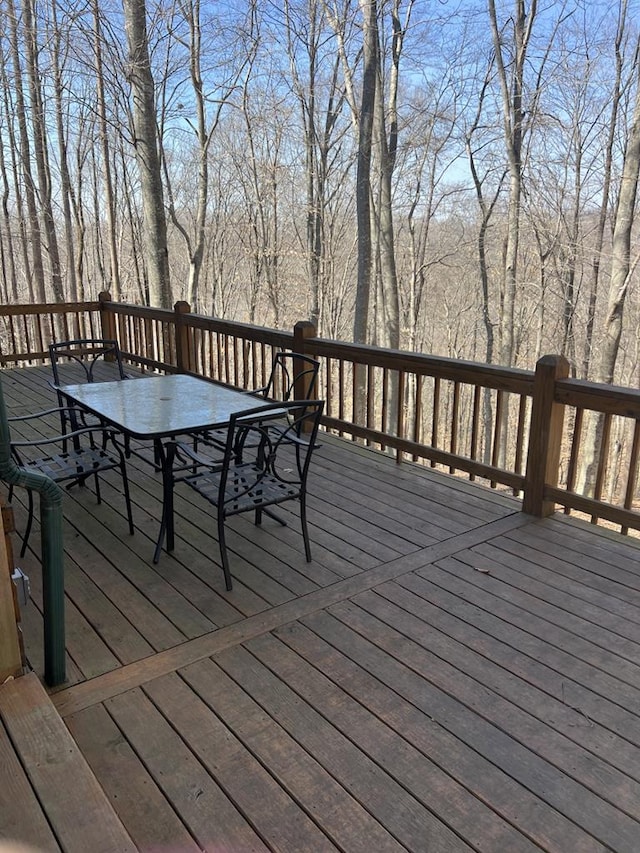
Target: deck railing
553	440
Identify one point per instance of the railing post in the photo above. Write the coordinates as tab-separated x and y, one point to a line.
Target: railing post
545	436
302	331
107	317
185	357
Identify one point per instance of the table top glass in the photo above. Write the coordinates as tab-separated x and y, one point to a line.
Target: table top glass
160	406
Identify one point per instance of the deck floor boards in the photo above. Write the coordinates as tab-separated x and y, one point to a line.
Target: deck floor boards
447	674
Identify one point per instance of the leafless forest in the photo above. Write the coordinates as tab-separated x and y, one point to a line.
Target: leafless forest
457	177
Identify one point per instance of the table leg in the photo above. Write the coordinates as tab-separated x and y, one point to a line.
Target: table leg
165	462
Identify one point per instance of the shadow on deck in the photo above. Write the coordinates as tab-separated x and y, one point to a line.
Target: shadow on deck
448	674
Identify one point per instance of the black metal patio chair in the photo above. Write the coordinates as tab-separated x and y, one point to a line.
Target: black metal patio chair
260	467
80	360
293	377
80	458
87	354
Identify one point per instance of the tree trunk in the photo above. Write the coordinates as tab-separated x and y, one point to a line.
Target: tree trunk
113	284
65	179
363	177
511	85
35	237
40	149
587	358
621	270
621	248
9	273
146	146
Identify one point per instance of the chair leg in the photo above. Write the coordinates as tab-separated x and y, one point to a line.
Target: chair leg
223	552
167	528
27	530
97	482
305	531
161	534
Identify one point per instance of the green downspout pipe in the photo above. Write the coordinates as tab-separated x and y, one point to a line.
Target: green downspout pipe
52	550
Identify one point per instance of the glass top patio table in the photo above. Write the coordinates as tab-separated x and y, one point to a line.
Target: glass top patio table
157	408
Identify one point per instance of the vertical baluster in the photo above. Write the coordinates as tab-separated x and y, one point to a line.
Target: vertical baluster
522	412
435	416
400	412
417	412
602	461
475	426
497	433
455	409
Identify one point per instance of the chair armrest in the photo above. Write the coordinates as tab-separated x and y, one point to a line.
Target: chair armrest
57	439
291	438
184	453
48	412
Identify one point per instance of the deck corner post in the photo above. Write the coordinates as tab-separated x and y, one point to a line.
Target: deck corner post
303	331
545	436
185	359
107	317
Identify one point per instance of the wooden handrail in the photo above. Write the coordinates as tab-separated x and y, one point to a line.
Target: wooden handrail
516	428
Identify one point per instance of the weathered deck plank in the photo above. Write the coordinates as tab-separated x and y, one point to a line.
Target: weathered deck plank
79	814
148	815
21	815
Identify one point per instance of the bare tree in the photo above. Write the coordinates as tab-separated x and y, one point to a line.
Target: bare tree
58	48
113	278
386	139
615	99
511	70
232	54
8	258
487	207
314	65
622	268
35	236
369	9
40	147
147	154
621	265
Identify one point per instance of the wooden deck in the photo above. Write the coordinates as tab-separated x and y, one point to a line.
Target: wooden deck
448	674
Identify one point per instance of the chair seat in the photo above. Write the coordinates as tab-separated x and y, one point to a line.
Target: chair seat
244	489
79	459
74	464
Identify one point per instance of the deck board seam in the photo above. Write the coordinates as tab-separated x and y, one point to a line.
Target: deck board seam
81	696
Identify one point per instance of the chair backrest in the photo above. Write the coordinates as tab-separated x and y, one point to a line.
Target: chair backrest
267	454
84	353
17	475
293	377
